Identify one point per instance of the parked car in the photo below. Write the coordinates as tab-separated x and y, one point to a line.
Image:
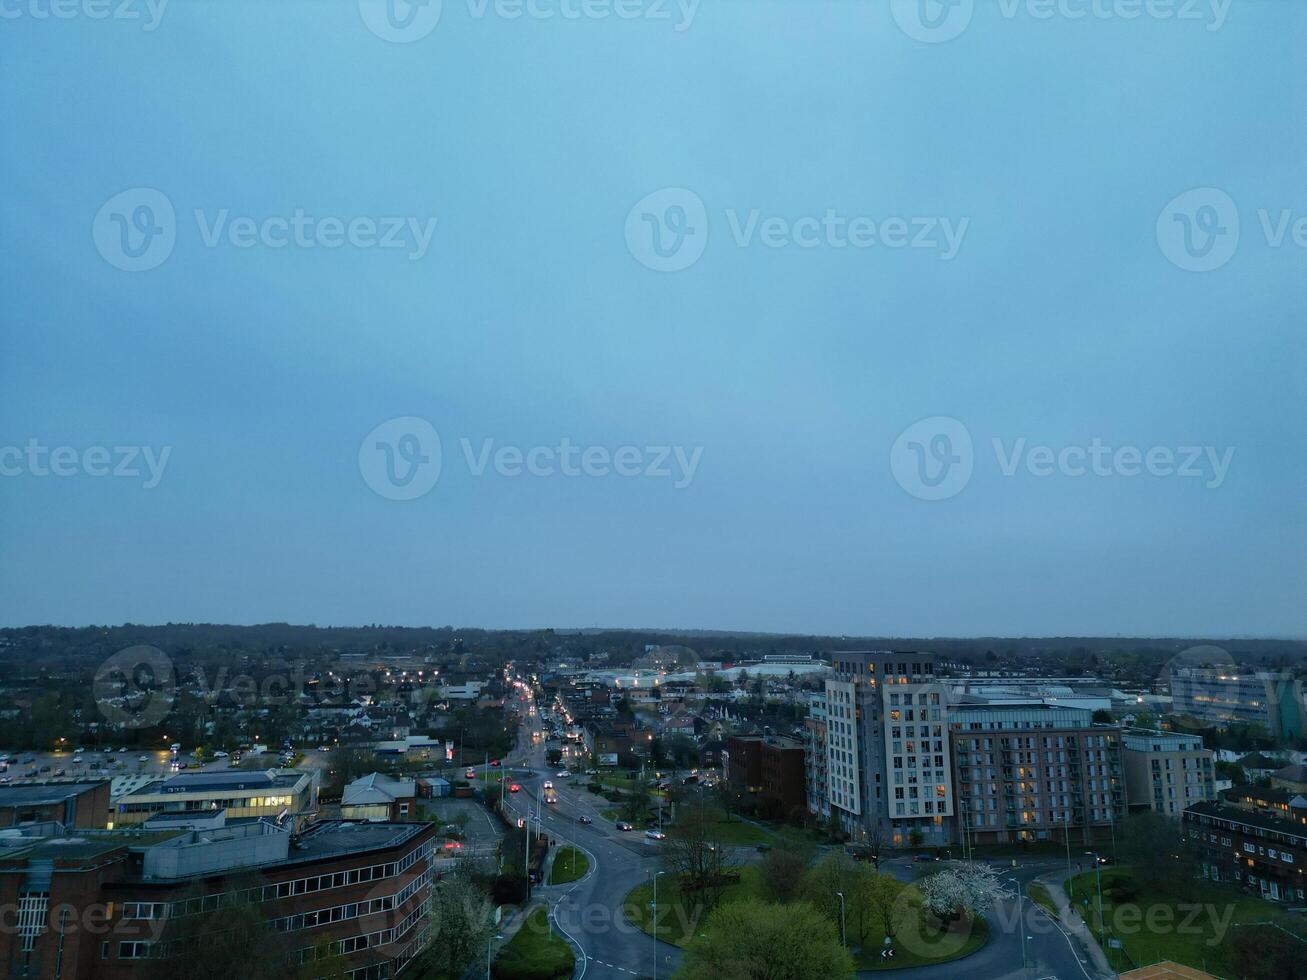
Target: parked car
655	835
563	775
57	772
584	819
925	857
624	826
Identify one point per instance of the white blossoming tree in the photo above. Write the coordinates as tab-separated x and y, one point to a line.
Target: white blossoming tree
970	891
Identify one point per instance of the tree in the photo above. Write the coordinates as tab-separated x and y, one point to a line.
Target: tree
1153	845
971	890
880	902
1267	953
782	871
753	940
833	874
216	945
461	923
1102	717
695	855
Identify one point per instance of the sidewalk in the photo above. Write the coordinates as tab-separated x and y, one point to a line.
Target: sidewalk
1070	920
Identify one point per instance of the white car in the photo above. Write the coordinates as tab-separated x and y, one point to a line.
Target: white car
655	835
548	784
563	775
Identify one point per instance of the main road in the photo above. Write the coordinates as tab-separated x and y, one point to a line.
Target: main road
589	912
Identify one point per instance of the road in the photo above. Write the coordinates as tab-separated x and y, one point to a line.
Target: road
589	912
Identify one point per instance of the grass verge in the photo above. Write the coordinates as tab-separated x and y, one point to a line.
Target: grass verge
569	865
535	952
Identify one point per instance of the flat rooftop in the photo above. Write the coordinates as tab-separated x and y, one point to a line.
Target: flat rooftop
44	793
342	836
213	782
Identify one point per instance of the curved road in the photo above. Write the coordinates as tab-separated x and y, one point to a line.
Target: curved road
589	911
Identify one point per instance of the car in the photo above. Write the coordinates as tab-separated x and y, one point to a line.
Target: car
221	755
57	772
453	845
470	774
45	769
592	772
624	826
78	751
549	784
585	819
655	835
924	857
514	788
77	760
6	779
144	758
495	763
563	775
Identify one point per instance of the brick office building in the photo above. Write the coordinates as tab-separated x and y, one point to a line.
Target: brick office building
70	803
112	903
770	766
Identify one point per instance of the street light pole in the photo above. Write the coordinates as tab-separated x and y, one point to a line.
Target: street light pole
1021	922
654	921
843	938
1098	878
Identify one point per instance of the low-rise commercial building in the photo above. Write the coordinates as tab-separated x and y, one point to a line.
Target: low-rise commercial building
1225	695
278	793
378	797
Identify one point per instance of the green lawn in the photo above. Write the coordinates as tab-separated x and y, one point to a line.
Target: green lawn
679	916
569	865
923	942
1039	895
1154	926
535	952
919	944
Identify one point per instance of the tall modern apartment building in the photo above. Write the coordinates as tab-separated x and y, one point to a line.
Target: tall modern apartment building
1228	695
1029	772
1167	771
815	756
887	748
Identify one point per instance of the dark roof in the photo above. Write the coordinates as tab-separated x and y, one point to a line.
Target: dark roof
42	794
202	782
1292	774
1249	818
1256	760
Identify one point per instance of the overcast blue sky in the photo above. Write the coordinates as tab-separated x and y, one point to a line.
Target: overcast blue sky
872	220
